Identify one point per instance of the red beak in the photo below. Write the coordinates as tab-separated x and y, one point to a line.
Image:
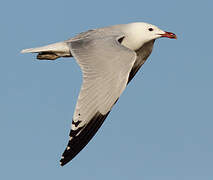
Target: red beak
169	35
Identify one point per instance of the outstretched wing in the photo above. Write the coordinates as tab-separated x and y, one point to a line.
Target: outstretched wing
106	65
142	55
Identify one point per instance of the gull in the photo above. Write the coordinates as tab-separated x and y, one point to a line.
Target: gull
109	58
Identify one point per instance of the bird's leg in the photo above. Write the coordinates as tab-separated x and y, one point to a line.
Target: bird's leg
47	56
50	56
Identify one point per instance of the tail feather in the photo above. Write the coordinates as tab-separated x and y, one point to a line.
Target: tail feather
52	51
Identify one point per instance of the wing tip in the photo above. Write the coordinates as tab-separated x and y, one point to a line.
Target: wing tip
63	161
78	142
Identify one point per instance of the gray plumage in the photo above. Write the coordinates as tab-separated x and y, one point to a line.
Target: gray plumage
109	58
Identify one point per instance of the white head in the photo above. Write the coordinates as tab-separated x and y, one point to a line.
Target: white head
139	33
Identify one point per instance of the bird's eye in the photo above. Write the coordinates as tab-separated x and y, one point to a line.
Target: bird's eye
151	29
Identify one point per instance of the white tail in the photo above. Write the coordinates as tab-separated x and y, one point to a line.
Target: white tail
52	51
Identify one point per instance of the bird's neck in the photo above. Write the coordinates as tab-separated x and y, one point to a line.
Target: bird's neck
132	42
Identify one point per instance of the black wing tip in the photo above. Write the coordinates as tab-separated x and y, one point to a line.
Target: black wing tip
78	142
62	163
68	155
64	160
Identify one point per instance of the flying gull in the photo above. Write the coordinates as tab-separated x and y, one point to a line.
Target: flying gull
109	58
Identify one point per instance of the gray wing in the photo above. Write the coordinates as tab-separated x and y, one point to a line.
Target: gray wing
106	65
142	55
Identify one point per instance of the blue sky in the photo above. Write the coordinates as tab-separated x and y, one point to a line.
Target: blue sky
161	128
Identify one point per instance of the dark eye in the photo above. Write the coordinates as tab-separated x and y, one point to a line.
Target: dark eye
151	29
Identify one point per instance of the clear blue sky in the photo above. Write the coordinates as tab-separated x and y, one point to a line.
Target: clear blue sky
162	126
